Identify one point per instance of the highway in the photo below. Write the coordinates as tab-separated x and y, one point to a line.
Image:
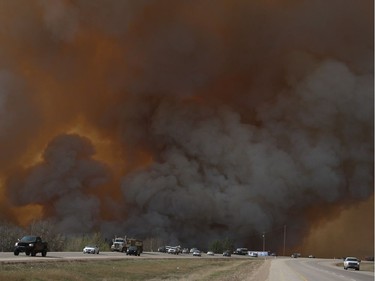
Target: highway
281	268
303	269
9	257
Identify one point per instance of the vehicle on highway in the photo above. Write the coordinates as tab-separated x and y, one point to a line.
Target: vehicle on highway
351	262
241	251
31	245
311	256
118	244
197	253
173	251
253	254
133	251
185	251
162	249
91	249
296	255
192	250
134	244
210	253
227	254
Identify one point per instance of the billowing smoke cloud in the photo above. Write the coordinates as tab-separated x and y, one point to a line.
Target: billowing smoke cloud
63	182
208	120
216	173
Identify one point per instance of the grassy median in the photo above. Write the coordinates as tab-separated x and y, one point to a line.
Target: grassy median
131	269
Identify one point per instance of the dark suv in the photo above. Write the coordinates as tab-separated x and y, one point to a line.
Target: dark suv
31	245
133	250
227	254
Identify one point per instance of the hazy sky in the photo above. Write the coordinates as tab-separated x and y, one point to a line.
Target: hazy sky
189	120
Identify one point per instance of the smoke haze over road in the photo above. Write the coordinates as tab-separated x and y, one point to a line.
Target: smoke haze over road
190	121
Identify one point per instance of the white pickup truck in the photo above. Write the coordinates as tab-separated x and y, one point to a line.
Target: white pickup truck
351	262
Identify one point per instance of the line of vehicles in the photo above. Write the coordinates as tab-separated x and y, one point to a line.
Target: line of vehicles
251	253
32	245
175	250
195	252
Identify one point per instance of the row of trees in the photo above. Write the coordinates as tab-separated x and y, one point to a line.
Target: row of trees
220	246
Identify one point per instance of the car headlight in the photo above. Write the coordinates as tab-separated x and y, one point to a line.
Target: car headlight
31	245
16	244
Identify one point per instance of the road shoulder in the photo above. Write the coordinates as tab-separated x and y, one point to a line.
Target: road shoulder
262	273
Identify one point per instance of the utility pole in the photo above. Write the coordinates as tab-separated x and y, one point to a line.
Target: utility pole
284	239
264	241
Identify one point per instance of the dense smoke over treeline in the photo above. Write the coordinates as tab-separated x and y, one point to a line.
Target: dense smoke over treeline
185	121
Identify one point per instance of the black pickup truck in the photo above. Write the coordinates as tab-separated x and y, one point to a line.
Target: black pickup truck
31	245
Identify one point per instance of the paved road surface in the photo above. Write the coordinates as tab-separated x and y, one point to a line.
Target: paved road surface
303	269
281	269
9	257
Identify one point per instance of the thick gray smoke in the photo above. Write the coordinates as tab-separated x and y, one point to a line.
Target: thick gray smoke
210	119
218	175
63	181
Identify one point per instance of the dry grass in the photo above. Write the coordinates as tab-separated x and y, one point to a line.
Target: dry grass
132	269
367	267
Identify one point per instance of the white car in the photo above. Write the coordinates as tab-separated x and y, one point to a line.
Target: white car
210	253
185	251
91	249
173	251
192	250
197	253
351	262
